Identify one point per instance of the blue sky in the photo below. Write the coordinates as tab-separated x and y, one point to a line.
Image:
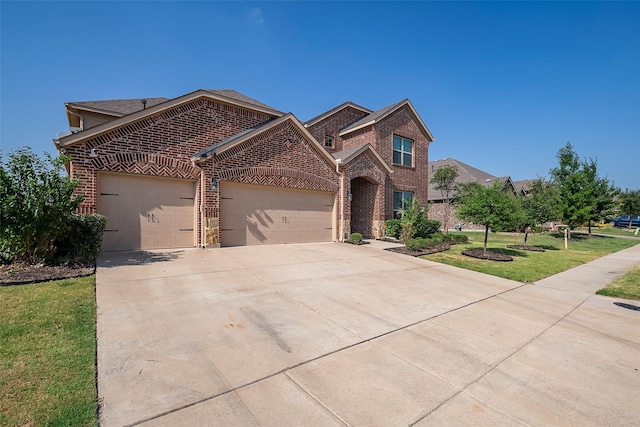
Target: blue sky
501	85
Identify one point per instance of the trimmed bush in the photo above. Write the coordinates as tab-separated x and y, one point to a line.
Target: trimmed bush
393	227
355	238
438	237
82	243
420	243
424	227
459	238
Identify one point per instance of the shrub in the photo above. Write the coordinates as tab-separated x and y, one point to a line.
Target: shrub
419	243
355	238
424	227
393	227
413	244
438	237
82	243
36	203
460	238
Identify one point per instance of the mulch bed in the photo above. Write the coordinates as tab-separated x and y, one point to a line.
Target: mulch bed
19	274
489	255
438	248
526	248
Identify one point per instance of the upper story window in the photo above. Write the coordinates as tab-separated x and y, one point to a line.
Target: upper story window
402	151
401	202
328	141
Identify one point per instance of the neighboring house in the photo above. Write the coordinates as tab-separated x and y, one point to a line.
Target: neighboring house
217	168
524	187
466	174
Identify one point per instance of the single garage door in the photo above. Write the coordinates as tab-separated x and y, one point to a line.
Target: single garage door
146	212
259	214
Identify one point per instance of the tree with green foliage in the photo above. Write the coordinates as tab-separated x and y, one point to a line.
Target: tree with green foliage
604	193
490	206
37	201
630	203
541	205
583	195
445	182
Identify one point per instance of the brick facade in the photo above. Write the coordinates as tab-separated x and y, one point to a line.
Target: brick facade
333	124
284	154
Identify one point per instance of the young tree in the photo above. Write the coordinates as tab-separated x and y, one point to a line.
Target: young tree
490	206
541	205
605	204
630	203
444	179
584	195
37	201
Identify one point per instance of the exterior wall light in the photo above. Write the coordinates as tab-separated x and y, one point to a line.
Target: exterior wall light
214	184
349	195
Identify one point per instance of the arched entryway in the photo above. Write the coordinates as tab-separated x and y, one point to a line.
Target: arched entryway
363	205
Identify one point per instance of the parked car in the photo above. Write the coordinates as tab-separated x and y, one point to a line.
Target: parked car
623	221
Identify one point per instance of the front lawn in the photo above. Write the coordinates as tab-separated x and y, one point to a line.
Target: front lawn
528	266
613	231
47	353
627	286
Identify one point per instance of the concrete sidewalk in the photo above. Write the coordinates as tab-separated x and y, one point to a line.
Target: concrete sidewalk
336	334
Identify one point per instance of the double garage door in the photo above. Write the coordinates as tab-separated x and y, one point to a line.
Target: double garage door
258	214
146	212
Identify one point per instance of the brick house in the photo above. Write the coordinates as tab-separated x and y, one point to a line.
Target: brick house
466	174
216	168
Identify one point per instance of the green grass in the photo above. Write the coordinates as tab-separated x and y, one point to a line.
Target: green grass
47	354
627	286
528	266
613	231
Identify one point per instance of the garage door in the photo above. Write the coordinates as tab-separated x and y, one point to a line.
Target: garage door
258	214
146	212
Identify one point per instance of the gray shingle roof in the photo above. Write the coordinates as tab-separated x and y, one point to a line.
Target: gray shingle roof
334	110
118	107
466	173
524	185
373	117
237	96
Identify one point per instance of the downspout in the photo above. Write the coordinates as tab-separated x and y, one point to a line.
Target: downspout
338	163
202	218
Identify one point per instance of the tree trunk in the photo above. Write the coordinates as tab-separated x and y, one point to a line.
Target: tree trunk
486	237
526	235
589	227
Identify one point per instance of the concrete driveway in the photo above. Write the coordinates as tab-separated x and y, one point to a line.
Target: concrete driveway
335	334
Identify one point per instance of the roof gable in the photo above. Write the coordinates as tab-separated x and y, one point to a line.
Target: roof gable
227	96
335	110
243	136
383	113
350	154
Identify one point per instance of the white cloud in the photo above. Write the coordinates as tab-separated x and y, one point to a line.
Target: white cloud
254	15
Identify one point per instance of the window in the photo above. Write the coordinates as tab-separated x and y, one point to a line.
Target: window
402	151
401	201
328	141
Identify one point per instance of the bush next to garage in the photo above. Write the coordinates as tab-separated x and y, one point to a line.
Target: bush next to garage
37	201
355	238
82	244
